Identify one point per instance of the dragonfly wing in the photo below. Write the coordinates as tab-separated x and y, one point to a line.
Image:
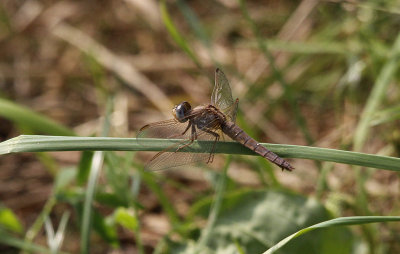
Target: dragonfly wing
179	153
231	111
221	96
169	129
170	159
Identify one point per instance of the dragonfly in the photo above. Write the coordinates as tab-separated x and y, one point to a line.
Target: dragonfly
204	123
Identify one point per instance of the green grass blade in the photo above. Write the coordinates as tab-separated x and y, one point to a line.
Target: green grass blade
9	240
306	48
37	143
194	22
377	95
386	116
344	221
36	227
154	186
9	221
87	210
94	174
32	120
362	131
173	31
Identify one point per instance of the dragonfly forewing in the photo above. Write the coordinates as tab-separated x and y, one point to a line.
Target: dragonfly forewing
169	129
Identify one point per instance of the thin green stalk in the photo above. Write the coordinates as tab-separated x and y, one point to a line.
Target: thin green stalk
363	129
89	196
172	214
212	218
37	225
135	191
194	23
94	174
322	183
377	95
198	30
278	75
178	38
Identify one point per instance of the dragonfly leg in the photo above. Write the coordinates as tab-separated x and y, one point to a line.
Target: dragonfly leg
181	134
193	136
216	135
187	128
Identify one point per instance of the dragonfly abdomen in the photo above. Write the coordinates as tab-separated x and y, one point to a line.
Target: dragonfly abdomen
236	133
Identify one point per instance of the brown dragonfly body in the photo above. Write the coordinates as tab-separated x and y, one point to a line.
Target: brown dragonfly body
236	133
203	123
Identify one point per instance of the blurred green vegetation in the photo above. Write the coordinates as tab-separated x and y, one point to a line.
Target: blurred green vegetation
308	73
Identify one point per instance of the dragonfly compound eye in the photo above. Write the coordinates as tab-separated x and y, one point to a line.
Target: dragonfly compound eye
181	111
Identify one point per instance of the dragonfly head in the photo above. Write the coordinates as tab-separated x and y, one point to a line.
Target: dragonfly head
181	111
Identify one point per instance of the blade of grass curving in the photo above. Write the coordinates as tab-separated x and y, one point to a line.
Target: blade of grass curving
34	121
216	206
36	143
173	31
344	221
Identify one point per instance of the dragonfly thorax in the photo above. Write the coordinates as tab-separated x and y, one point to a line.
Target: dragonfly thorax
181	111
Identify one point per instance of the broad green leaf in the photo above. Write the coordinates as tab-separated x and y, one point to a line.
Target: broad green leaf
256	220
105	229
101	225
126	218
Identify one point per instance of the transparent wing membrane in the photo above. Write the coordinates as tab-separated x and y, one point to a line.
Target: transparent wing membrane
221	96
179	153
231	111
175	156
